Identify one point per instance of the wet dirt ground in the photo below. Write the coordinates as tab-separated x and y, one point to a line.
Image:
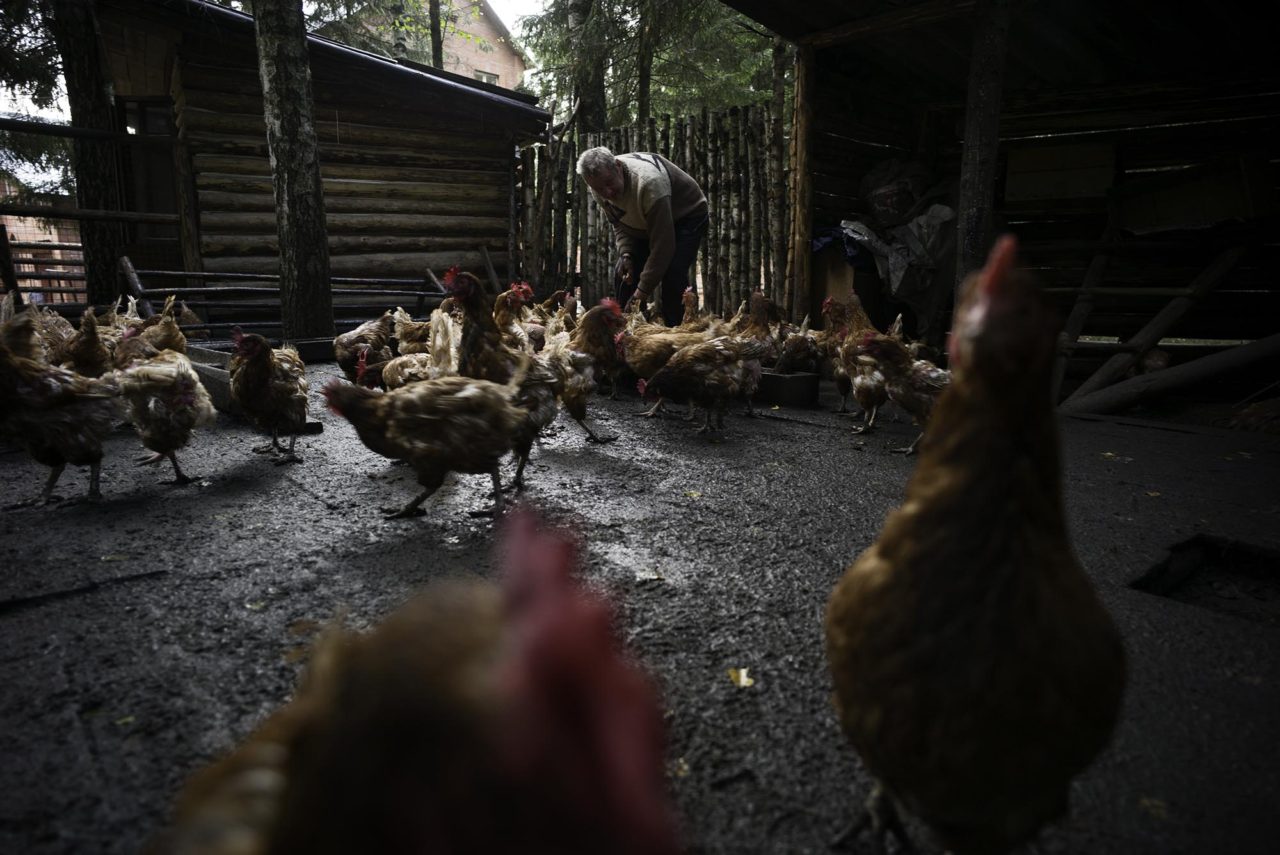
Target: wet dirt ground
143	635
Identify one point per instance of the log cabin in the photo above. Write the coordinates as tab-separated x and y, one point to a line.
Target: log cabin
419	165
1132	147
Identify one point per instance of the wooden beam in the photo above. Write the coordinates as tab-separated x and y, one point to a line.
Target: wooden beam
1205	368
1084	301
1147	337
890	22
48	213
21	126
979	158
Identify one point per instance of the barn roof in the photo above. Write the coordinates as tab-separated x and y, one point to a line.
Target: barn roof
413	79
924	45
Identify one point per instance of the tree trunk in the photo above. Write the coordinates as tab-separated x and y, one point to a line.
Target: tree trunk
399	41
644	63
306	304
779	227
589	88
437	34
97	168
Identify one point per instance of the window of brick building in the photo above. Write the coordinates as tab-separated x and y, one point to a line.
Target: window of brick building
486	77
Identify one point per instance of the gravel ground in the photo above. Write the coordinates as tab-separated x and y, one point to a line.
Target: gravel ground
145	634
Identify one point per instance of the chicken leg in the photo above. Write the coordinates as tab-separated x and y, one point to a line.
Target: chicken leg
910	449
880	815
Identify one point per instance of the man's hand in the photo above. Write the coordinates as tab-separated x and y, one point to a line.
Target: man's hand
638	300
623	270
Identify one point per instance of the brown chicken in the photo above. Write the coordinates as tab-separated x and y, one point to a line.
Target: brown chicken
913	384
167	402
478	718
454	424
55	331
976	671
507	314
187	317
481	351
761	327
375	333
594	336
56	415
799	351
87	353
646	351
411	336
270	387
694	319
709	375
165	334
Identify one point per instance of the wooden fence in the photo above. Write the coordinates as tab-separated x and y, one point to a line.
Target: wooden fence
737	158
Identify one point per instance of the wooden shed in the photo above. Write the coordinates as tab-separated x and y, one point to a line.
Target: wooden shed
1133	148
419	165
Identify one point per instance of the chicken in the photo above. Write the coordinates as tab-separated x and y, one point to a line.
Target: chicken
87	353
710	374
695	319
56	415
507	315
976	672
375	333
842	322
646	352
594	336
866	380
759	328
165	333
55	331
481	351
411	336
575	373
454	424
800	351
537	397
187	318
167	402
477	718
913	384
448	425
403	370
270	387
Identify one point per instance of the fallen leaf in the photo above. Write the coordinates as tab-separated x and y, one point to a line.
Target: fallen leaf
124	720
1155	807
740	678
647	575
1153	493
256	605
775	407
680	768
693	494
115	558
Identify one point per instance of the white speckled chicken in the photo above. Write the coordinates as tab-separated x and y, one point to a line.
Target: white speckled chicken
976	672
167	402
913	384
270	387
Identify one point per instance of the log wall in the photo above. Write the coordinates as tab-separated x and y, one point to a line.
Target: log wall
406	190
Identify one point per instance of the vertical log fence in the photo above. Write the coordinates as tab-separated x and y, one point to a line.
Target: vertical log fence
736	156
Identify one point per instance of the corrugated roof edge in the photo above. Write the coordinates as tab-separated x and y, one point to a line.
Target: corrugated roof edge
517	103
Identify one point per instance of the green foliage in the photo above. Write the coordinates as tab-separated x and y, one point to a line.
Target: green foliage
373	25
31	69
706	54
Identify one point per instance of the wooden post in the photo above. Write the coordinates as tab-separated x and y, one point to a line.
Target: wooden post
802	187
133	287
778	225
1147	337
493	274
7	273
759	206
979	158
1205	368
512	208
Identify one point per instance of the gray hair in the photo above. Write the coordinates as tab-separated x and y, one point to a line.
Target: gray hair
595	161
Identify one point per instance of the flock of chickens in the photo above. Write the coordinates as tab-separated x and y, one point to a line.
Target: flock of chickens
976	671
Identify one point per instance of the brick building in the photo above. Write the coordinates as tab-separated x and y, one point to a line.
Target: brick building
478	45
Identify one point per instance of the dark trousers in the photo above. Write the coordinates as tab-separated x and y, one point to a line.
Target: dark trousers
689	233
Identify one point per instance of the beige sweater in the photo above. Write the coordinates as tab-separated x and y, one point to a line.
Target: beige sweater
655	194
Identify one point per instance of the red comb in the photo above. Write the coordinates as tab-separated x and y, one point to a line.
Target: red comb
612	305
1000	261
450	275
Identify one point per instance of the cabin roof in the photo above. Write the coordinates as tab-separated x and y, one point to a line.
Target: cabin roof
412	80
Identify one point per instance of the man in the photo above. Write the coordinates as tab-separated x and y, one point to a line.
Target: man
659	215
